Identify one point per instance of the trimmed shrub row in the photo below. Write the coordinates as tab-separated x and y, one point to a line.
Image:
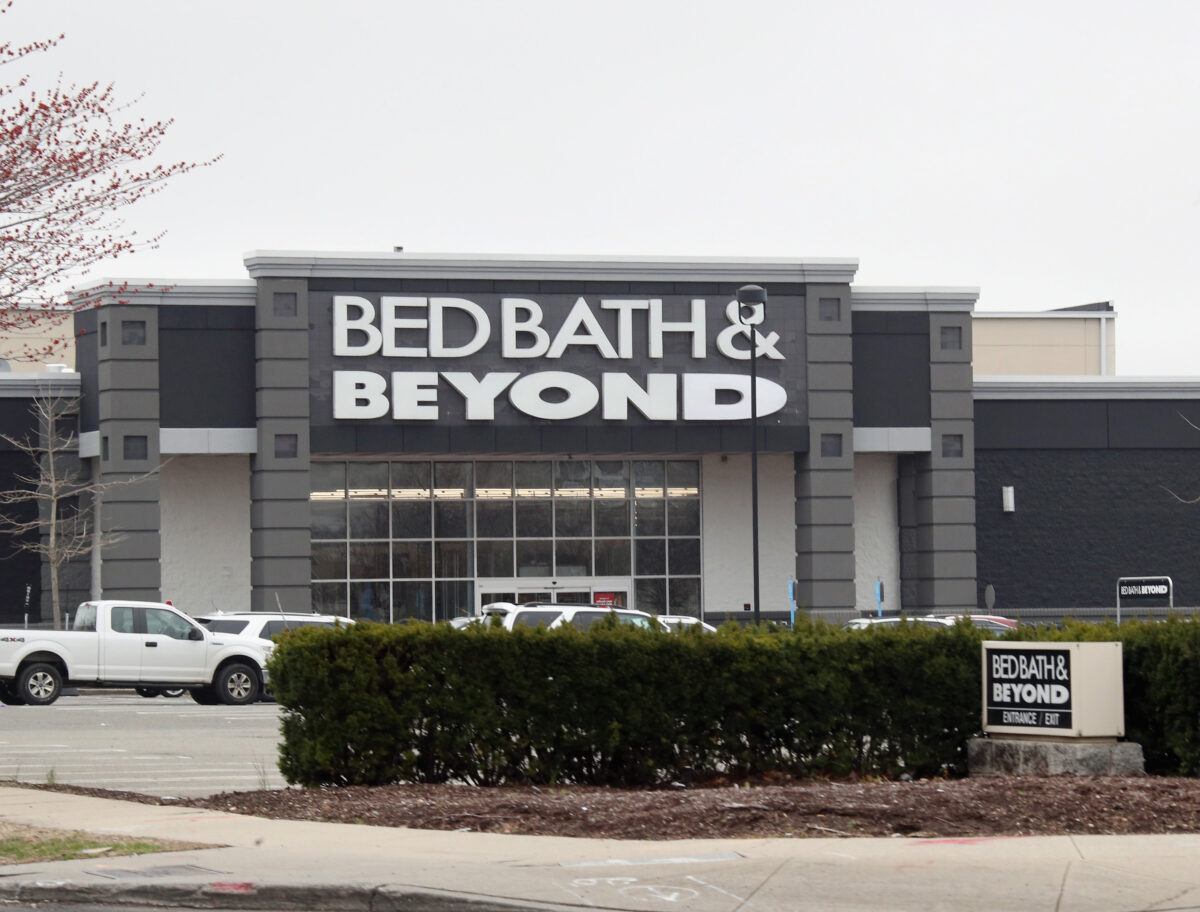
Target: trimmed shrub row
373	704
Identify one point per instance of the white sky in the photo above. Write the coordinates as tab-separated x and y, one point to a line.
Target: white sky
1046	152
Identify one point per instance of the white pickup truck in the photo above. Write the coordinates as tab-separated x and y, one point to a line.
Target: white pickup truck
116	643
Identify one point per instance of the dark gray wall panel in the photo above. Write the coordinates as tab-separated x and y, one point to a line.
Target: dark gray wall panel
1154	423
87	345
1084	518
891	370
206	367
1040	424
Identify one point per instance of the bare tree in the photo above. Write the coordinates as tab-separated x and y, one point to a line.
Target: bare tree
61	489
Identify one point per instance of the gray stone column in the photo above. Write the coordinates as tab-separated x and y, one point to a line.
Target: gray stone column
128	424
280	568
944	481
825	474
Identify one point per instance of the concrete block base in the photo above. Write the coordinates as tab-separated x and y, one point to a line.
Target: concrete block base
1014	757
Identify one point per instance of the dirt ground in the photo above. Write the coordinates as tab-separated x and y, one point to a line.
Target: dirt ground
961	808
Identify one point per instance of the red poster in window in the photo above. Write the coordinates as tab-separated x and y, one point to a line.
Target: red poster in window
607	599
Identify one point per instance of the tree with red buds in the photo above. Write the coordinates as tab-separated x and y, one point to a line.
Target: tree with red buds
71	161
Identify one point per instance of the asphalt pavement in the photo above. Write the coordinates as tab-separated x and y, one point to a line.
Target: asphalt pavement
254	863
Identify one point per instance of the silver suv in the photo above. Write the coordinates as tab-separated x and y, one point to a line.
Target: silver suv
266	625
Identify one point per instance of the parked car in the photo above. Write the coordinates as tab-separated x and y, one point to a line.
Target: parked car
266	625
894	620
992	623
550	615
671	622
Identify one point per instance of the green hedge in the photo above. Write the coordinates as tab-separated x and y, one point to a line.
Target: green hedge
373	704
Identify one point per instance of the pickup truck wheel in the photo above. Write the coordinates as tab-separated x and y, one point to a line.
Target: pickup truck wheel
147	691
237	684
39	684
205	696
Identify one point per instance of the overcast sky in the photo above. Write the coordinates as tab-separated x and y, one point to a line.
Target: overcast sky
1045	152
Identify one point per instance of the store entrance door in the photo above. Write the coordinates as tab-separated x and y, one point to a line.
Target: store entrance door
614	593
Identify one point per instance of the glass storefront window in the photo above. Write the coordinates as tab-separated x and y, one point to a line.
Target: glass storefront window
611	479
452	520
533	479
368	519
649	517
683	556
650	595
494	558
493	480
328	481
573	558
683	516
369	560
412	560
411	481
651	557
453	559
573	518
534	518
370	601
612	556
452	480
367	479
329	598
329	561
573	478
328	518
411	519
412	601
402	539
612	517
685	596
649	479
534	557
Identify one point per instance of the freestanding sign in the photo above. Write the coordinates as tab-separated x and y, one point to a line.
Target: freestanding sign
1061	690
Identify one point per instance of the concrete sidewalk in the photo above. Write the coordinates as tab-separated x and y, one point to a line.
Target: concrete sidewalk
272	864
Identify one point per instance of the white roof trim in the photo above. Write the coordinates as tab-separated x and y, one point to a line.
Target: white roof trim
29	384
1087	387
1047	315
935	298
279	264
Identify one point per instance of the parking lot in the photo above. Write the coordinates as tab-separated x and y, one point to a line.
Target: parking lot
163	747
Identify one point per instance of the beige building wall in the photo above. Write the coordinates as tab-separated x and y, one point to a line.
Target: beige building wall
1070	343
22	349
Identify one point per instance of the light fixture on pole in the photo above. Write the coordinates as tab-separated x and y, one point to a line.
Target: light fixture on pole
752	302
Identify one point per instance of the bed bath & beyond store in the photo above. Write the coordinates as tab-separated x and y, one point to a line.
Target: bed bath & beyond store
409	436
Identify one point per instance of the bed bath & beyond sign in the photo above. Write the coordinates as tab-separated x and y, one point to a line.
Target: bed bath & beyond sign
414	327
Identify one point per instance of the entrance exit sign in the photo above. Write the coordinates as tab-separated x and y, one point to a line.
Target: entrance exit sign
1061	690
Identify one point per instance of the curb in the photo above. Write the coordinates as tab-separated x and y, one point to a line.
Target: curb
252	896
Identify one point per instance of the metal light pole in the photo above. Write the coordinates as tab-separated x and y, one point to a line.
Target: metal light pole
753	297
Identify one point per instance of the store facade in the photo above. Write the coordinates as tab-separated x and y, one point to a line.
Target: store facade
402	436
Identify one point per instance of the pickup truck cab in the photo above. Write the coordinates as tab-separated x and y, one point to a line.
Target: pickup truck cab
119	643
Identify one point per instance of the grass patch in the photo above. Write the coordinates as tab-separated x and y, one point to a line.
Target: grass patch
21	844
